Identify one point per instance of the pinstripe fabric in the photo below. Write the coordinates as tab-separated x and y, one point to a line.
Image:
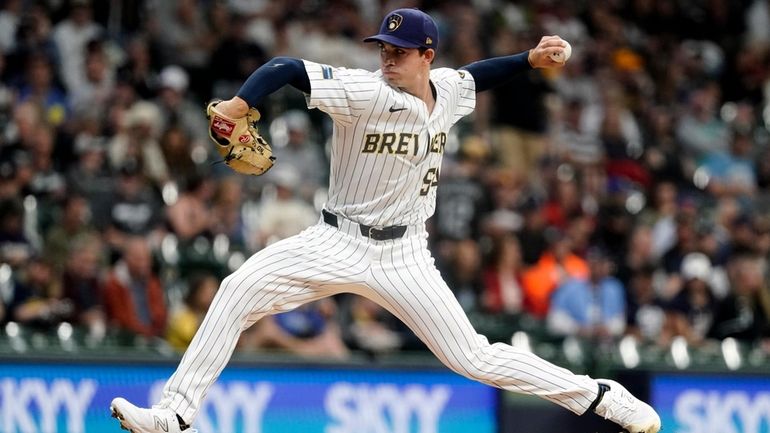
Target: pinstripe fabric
406	282
318	262
376	186
382	189
399	275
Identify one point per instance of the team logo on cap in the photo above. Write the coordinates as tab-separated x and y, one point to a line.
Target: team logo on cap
394	21
428	41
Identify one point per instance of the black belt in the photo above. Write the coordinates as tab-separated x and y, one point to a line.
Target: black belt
378	234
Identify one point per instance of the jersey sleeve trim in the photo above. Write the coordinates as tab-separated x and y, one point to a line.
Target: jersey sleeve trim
339	92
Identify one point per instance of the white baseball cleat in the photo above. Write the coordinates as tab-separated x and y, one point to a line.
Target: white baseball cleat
621	407
140	420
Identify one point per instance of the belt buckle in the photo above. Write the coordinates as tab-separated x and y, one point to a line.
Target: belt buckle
372	233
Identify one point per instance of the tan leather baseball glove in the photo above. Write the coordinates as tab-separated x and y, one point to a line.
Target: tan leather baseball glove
239	142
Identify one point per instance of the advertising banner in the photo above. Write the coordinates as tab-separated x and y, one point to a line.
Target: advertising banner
74	398
712	403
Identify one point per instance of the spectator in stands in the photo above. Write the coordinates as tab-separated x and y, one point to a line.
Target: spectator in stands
761	223
638	254
564	197
332	33
757	17
186	39
295	144
96	81
762	168
618	129
235	58
745	313
594	307
731	172
47	184
582	231
72	35
10	17
577	85
190	216
185	321
369	327
177	108
662	154
645	312
20	168
462	273
9	186
137	69
613	224
571	142
556	265
218	20
518	130
226	211
133	209
7	96
88	176
504	211
134	299
282	212
74	222
503	292
742	233
700	130
40	88
532	235
690	313
462	197
727	212
15	246
34	35
176	146
137	143
36	299
709	245
82	282
85	129
309	331
686	242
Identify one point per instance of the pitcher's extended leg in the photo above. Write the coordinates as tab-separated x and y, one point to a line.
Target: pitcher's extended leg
279	278
411	287
406	282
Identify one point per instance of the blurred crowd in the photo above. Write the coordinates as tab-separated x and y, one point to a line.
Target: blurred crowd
624	194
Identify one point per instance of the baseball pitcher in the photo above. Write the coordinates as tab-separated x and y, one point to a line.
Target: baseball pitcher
390	129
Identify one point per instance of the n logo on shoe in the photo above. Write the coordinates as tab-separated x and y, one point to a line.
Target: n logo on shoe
160	423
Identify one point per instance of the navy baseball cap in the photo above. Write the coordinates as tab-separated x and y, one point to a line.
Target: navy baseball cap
407	28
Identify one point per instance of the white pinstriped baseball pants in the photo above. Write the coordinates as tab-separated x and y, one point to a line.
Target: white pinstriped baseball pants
399	275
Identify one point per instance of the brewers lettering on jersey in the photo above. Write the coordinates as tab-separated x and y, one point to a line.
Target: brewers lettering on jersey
387	151
388	141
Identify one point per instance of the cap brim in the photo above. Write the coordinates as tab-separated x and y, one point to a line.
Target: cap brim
393	41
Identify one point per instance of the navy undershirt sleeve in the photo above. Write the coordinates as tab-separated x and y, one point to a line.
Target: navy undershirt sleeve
496	71
273	75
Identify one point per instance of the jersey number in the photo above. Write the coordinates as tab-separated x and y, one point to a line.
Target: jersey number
430	179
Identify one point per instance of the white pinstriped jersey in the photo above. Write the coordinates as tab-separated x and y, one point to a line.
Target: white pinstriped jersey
386	148
385	157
